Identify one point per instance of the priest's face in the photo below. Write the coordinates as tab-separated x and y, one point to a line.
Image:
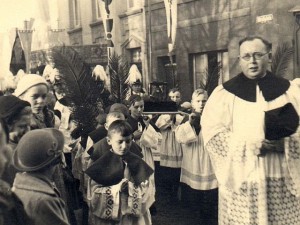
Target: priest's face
254	58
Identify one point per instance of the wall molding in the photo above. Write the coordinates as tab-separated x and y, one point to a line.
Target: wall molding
130	13
205	19
75	30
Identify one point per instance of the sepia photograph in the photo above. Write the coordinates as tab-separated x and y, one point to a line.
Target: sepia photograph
149	112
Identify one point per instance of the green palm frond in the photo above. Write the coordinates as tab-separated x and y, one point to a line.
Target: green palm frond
281	59
119	69
81	90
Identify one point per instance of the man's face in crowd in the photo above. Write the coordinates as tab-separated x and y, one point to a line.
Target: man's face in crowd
254	68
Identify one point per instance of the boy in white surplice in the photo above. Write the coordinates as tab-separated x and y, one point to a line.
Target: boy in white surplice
118	192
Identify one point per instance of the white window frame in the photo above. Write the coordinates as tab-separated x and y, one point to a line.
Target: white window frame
200	65
97	10
135	4
76	13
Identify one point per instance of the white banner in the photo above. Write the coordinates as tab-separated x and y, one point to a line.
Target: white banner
171	12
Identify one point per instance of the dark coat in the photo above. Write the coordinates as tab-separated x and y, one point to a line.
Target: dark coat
11	208
41	199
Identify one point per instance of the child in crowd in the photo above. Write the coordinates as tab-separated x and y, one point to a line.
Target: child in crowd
170	149
197	174
37	154
11	208
138	124
119	187
175	96
34	89
101	131
94	150
100	147
17	115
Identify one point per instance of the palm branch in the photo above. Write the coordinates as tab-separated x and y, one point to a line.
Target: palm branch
118	69
81	90
281	59
211	78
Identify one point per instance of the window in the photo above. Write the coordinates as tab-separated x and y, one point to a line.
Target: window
133	4
167	72
206	64
96	10
136	55
75	14
136	58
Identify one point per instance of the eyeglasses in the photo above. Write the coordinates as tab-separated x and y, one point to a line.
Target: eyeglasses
255	55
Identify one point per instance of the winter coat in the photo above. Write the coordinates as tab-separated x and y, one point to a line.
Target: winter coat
11	208
41	199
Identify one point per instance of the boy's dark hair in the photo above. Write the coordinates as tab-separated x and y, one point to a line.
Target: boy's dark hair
119	126
252	38
133	99
173	90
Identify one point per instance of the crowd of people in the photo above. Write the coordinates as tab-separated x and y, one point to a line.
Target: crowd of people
232	157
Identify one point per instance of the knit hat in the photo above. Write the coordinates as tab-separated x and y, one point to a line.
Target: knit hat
27	82
10	106
38	149
118	107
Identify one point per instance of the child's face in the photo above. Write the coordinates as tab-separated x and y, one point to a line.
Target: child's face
137	109
20	127
175	96
136	88
198	103
119	144
36	96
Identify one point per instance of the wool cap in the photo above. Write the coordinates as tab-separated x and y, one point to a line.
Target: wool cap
27	82
38	149
118	107
10	106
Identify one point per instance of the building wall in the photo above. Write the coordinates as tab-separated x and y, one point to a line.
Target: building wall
216	25
203	26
